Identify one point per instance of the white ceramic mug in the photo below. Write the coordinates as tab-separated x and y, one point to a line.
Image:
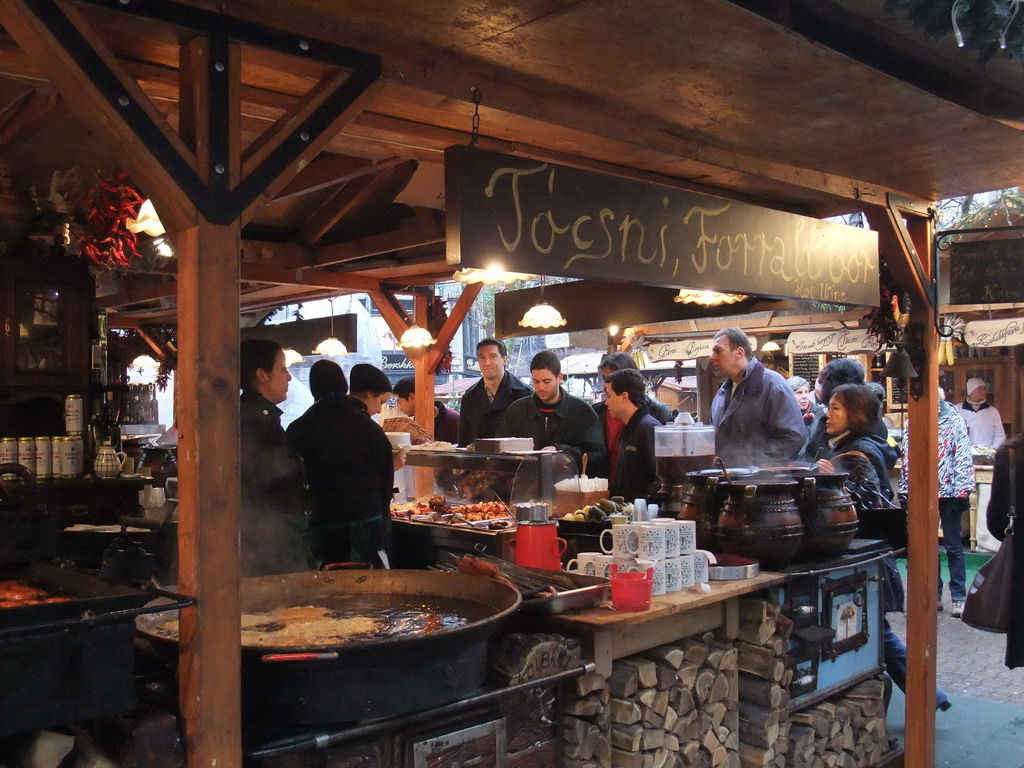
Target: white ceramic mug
652	541
591	564
625	540
687	572
701	560
673	574
687	537
658	584
673	528
627	565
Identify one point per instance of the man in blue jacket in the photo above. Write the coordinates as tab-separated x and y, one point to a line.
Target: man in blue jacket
755	413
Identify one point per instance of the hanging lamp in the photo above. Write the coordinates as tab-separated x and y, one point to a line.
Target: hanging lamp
706	298
331	346
542	314
490	276
416	338
144	363
292	357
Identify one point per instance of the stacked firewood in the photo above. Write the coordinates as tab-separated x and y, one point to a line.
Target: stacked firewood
586	739
674	706
765	672
847	731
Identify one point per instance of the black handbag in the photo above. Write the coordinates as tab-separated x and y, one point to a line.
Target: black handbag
988	600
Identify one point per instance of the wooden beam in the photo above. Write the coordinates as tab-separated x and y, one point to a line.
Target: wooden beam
355	193
26	112
923	516
314	143
397	320
424	394
411	233
209	502
265	273
71	79
136	294
329	169
451	325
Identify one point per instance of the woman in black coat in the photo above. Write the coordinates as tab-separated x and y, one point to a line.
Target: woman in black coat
998	517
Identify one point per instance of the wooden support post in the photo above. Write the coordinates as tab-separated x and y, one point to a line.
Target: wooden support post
451	325
208	463
424	374
923	514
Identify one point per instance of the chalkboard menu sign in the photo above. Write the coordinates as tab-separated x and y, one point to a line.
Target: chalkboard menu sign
533	216
986	272
806	366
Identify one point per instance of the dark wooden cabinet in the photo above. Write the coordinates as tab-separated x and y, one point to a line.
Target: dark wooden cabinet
44	337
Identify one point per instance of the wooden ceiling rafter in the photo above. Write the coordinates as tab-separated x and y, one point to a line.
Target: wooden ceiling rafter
26	111
328	170
350	197
423	229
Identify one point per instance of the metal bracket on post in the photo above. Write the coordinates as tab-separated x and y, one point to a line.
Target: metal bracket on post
895	203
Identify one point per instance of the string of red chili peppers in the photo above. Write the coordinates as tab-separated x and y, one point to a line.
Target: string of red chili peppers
105	239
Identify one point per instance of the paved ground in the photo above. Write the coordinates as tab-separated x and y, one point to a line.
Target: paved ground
985	727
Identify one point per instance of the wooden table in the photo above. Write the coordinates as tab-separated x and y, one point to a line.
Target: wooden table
607	634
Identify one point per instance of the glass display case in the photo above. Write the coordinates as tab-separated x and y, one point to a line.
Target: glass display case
464	477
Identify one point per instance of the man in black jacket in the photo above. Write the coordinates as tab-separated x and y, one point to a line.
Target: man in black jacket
350	466
555	420
635	473
484	403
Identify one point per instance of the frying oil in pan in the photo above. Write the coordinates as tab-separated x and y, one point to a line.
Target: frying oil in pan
330	620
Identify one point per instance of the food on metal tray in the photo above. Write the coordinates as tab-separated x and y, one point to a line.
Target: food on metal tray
485	510
15	593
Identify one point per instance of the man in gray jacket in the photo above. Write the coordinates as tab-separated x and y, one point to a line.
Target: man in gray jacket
755	413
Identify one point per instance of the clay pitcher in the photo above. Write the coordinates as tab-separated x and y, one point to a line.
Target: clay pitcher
828	514
762	521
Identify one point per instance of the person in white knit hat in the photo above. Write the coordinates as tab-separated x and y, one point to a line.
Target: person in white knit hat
984	424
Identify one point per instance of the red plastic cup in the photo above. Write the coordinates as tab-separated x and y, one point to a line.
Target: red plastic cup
631	591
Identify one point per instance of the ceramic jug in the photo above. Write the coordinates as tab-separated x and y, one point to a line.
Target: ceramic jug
108	462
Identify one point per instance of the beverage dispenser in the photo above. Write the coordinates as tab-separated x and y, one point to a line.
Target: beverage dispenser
679	449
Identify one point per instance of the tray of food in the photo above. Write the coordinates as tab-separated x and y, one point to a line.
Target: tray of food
544	592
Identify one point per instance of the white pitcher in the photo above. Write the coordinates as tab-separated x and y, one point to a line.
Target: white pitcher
108	462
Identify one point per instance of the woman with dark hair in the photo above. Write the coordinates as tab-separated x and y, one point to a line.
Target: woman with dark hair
836	373
274	510
852	445
998	518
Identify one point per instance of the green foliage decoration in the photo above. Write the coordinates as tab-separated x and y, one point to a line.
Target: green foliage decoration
984	24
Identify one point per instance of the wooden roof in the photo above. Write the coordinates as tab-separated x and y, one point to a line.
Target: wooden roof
807	109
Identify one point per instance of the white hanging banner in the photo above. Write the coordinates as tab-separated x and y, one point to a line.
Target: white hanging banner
819	342
684	349
994	333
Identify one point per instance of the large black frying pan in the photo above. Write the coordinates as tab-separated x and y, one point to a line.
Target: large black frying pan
364	678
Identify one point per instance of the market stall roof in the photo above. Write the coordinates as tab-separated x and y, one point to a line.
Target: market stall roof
707	94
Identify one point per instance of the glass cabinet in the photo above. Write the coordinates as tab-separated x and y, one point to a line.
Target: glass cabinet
45	332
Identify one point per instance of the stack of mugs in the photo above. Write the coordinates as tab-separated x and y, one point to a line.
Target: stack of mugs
665	545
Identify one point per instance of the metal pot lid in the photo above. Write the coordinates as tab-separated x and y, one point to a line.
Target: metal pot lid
532	513
733	568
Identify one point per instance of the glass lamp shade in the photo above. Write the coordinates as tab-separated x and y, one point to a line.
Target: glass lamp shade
148	221
291	357
490	276
145	363
542	316
416	338
771	346
707	298
331	347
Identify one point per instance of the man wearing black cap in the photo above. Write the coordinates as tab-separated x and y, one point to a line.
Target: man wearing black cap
350	467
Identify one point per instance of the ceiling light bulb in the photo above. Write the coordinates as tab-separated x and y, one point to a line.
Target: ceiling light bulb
613	330
542	316
331	347
291	357
416	337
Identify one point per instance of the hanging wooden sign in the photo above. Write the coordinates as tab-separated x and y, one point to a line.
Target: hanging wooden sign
994	333
986	272
533	216
685	349
820	342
